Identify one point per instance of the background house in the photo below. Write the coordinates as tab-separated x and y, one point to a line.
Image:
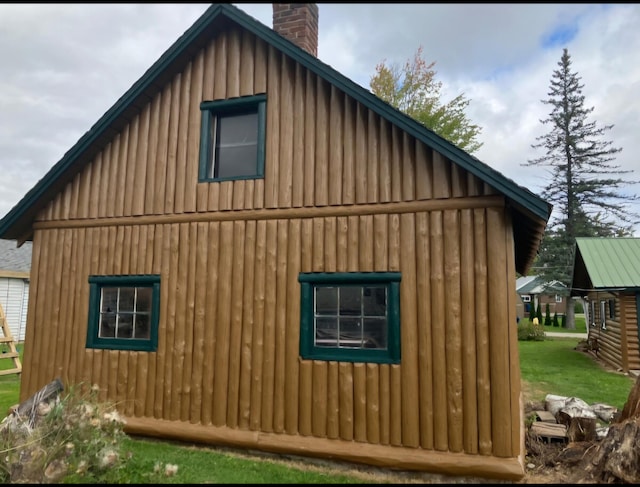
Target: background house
252	250
606	274
15	265
532	290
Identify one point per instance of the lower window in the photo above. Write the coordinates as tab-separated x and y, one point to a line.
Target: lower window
351	317
123	312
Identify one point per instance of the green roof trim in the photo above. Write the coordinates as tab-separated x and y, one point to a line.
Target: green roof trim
609	263
21	215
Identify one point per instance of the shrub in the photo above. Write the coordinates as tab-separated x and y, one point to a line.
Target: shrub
70	435
555	319
539	313
530	331
564	321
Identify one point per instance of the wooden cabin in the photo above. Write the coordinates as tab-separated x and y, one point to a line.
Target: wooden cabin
249	249
606	274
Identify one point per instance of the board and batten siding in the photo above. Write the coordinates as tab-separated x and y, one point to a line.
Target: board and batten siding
343	191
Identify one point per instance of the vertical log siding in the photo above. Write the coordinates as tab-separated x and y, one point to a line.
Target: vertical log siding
229	327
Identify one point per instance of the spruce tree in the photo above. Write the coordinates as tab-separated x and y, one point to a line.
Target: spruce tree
547	315
584	185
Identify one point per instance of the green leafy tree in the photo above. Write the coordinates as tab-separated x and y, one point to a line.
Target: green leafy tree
584	186
413	89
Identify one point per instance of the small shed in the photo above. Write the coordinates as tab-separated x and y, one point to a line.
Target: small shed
606	274
15	266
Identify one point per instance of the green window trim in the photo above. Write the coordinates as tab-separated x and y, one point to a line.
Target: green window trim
308	348
233	106
96	284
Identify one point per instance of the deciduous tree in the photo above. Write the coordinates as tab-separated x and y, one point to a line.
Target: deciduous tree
413	89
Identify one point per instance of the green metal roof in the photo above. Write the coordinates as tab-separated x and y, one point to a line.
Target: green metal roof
607	263
532	211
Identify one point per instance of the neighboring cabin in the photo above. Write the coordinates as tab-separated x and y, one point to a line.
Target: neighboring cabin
532	290
15	265
249	249
606	274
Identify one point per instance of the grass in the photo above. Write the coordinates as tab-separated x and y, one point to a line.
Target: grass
551	366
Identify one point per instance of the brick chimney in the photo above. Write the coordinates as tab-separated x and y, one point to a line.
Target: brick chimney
298	22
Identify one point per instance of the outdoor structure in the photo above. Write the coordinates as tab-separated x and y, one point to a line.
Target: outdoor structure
249	249
15	265
532	290
606	274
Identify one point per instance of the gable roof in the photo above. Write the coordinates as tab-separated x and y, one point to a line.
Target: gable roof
536	285
530	213
14	258
606	263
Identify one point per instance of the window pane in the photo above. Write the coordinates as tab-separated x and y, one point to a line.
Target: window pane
350	301
125	326
236	161
238	129
350	332
142	328
236	147
375	333
109	299
326	332
107	325
127	299
327	301
143	303
374	301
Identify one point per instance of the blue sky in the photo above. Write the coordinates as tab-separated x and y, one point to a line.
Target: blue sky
63	65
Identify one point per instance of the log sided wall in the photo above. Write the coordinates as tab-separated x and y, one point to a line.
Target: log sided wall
618	343
343	191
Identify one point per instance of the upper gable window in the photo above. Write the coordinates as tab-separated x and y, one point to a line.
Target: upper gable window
232	138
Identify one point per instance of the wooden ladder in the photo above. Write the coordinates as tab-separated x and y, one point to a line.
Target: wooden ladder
6	341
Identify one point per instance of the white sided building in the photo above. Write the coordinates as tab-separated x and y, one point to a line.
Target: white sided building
15	265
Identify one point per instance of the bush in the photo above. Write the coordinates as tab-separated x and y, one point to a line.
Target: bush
555	319
577	307
530	331
73	435
564	321
539	313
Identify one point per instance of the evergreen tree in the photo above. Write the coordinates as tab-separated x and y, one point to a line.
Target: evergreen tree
539	313
414	90
555	319
584	185
547	316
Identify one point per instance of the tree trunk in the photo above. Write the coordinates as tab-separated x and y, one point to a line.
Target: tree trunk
571	314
